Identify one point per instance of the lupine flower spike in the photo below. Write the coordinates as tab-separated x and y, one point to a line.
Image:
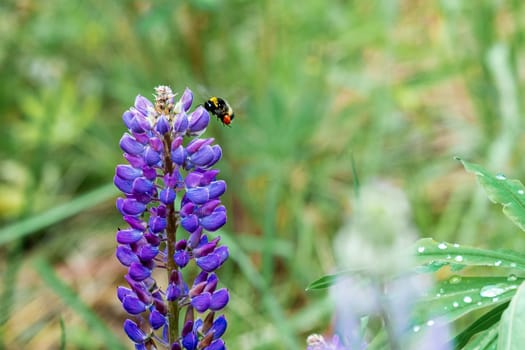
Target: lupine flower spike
166	160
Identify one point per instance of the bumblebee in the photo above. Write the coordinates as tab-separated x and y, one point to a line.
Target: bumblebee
221	109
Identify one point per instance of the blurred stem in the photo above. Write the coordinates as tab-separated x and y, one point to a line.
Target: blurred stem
171	230
392	340
62	334
391	333
14	261
269	224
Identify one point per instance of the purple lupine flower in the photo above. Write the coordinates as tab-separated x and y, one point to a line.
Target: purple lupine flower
167	159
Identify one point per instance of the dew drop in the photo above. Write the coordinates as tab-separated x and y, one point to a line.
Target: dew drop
501	177
467	300
421	249
449	256
416	329
495	290
442	246
513	264
438	295
520	191
512	278
479	303
455	304
497	263
456	245
454	279
458	258
491	291
430	323
495	299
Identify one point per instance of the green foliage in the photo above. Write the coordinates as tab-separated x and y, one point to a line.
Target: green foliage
511	335
509	193
484	330
71	299
395	89
461	294
434	255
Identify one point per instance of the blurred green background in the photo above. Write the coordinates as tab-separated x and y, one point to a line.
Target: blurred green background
396	88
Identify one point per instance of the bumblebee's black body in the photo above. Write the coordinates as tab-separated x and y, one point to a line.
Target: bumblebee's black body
221	109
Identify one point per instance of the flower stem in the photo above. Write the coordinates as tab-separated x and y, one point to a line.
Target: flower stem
173	307
171	230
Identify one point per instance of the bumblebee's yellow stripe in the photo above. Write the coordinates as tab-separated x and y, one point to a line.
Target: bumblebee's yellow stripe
215	101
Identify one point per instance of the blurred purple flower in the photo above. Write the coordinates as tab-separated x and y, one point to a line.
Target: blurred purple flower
375	241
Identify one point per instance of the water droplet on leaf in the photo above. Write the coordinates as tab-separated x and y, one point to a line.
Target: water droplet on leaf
495	290
454	279
491	291
512	278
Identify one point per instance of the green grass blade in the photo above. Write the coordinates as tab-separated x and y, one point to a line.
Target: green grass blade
486	340
328	280
488	320
323	282
56	214
62	334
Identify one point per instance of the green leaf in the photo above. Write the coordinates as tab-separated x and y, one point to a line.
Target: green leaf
509	193
329	280
460	295
488	320
434	255
486	340
322	283
512	325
